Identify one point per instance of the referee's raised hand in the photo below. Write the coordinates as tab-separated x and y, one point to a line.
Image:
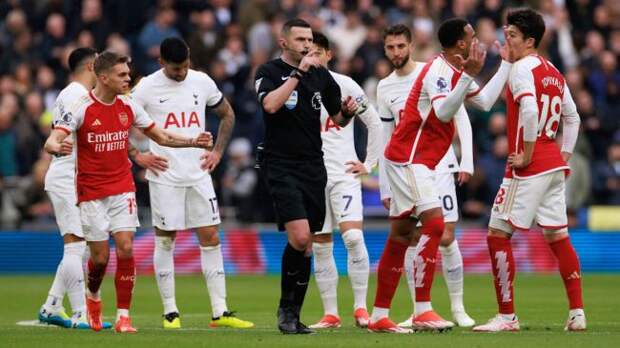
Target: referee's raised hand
309	60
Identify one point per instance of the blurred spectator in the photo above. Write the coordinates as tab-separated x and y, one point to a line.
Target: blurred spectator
239	180
579	182
233	55
607	173
22	51
8	142
153	33
203	41
348	37
605	80
92	19
54	39
28	133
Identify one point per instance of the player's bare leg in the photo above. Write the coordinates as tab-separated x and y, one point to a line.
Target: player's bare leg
295	276
69	279
503	265
388	275
408	269
124	280
212	264
97	264
424	269
326	276
163	262
452	267
568	263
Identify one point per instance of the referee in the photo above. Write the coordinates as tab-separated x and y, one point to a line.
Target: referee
291	90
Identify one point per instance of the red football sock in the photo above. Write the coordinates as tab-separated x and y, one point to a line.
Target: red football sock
124	281
426	253
569	270
388	272
95	276
503	263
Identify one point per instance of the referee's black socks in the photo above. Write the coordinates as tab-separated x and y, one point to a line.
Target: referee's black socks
295	277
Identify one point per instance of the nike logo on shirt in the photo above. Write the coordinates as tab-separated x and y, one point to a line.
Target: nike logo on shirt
392	101
163	100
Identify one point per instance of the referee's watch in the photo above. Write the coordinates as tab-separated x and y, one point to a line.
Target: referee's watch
296	74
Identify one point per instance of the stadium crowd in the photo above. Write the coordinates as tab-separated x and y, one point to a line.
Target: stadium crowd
230	39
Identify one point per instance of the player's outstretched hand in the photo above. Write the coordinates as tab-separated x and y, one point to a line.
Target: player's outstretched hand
349	106
204	140
210	160
505	51
517	160
474	63
463	178
357	168
154	163
66	147
309	60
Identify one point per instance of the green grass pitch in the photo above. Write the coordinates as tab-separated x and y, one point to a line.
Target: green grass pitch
540	301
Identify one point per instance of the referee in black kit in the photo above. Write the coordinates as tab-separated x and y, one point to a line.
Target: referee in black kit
291	90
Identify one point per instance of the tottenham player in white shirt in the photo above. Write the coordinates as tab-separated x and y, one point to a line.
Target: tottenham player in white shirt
60	187
183	197
392	93
343	199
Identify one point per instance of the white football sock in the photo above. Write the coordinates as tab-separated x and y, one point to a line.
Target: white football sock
122	313
421	307
326	276
379	313
212	264
72	274
358	265
452	266
57	291
163	262
408	266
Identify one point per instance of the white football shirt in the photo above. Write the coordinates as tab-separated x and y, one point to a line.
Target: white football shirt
338	142
60	176
178	107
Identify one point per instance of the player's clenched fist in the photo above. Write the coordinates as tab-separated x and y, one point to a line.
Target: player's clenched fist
204	140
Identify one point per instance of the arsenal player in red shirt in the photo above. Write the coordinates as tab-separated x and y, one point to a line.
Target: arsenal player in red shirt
104	183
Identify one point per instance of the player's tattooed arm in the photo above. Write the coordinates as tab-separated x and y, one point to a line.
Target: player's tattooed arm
58	144
226	114
164	138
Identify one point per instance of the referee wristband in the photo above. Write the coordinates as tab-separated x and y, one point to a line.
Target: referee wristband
296	74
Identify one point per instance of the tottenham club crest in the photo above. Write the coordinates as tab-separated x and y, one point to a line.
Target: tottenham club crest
316	101
442	85
123	118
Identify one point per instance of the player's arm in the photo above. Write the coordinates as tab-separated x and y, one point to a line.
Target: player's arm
528	118
371	119
225	113
57	143
446	106
166	138
570	124
463	128
147	160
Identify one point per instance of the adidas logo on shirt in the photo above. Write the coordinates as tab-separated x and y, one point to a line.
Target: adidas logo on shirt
96	123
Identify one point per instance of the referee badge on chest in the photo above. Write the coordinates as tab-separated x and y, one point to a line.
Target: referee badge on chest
291	102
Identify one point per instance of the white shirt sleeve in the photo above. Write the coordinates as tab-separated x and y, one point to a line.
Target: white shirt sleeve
371	119
463	127
141	119
446	104
528	117
69	118
570	121
486	97
139	93
382	108
521	82
213	94
384	186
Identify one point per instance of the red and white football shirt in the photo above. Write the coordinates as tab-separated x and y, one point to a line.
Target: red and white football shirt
535	76
420	137
102	140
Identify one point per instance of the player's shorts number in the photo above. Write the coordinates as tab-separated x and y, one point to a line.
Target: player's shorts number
348	199
448	203
499	199
550	124
131	205
213	202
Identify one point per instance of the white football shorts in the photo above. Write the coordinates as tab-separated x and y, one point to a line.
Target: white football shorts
413	189
446	189
521	201
112	214
343	202
176	208
67	212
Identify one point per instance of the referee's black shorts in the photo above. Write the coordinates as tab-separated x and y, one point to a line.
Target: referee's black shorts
297	189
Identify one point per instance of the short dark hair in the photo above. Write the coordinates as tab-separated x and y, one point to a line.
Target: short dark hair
529	22
295	22
174	50
78	56
451	31
398	29
320	40
107	60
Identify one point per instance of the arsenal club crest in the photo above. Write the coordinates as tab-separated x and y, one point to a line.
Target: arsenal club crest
123	118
